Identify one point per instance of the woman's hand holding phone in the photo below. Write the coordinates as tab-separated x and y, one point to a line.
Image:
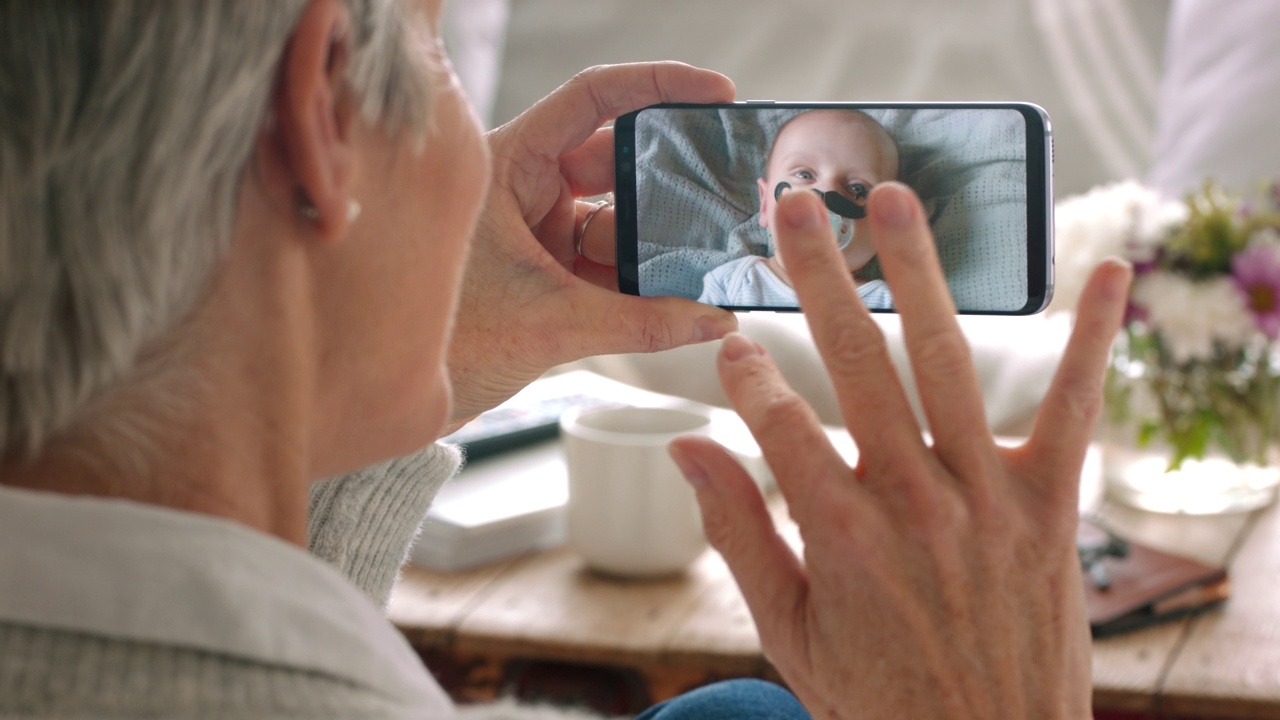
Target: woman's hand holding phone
529	301
938	580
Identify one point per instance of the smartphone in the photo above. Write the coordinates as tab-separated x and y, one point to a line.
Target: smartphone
696	184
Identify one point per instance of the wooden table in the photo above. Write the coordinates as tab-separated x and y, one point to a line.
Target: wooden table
474	627
1221	664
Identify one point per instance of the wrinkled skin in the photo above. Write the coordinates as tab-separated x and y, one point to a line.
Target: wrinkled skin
529	301
939	579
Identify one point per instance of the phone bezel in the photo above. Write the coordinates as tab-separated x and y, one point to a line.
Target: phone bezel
1039	154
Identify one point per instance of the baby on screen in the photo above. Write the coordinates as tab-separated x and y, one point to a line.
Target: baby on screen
839	153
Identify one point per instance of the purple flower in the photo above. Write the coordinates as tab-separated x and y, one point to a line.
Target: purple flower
1257	275
1142	267
1135	314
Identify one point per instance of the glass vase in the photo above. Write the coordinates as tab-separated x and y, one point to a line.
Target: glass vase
1193	437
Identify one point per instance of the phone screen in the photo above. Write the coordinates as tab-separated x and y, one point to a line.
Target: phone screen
696	184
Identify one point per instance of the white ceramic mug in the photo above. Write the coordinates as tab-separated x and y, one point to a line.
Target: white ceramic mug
630	511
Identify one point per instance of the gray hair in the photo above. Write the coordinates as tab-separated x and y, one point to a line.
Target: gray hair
126	129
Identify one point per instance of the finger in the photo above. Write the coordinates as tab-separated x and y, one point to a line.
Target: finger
785	426
572	112
737	524
557	221
589	167
871	398
1064	423
597	234
603	276
610	323
940	357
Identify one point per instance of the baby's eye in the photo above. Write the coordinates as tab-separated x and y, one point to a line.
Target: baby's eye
859	191
804	175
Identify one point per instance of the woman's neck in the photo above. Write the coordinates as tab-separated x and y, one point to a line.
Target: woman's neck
218	422
195	451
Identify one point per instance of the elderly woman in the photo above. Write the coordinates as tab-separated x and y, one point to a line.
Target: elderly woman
232	243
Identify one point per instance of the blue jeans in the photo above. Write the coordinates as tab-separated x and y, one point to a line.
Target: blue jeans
730	700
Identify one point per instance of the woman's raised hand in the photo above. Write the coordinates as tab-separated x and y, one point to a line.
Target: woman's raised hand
939	579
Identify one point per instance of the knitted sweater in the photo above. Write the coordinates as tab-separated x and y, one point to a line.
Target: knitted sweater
111	609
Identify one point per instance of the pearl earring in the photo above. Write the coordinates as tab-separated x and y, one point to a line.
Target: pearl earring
309	211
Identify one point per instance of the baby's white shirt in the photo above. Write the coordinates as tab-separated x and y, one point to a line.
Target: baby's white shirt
749	282
746	281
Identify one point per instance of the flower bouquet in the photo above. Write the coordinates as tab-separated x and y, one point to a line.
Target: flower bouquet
1194	385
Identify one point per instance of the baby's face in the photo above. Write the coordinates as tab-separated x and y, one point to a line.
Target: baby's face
830	150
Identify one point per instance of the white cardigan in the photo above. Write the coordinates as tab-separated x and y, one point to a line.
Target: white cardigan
115	609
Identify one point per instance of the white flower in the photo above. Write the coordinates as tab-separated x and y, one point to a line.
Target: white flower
1155	218
1192	315
1264	237
1123	219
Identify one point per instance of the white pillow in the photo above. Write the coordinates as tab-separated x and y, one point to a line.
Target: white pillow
1219	108
475	33
1093	64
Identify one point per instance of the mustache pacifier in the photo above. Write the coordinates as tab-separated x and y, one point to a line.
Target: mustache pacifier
841	211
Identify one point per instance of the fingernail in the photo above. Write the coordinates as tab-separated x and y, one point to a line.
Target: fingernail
692	471
892	205
737	346
1117	286
797	211
713	327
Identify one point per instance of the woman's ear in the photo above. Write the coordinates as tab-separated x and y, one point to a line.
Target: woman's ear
316	115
